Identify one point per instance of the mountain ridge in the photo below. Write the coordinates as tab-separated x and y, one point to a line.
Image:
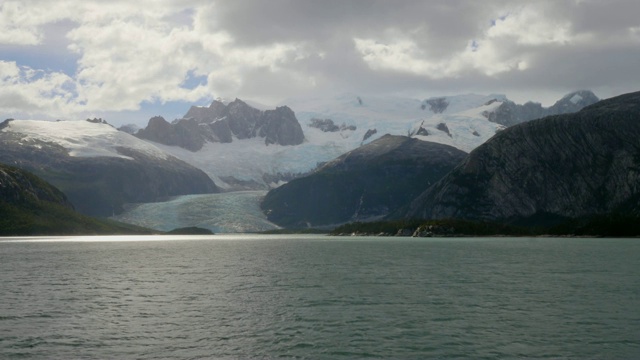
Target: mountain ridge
222	123
98	167
358	185
561	166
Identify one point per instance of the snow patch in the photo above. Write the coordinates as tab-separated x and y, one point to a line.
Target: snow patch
82	138
576	98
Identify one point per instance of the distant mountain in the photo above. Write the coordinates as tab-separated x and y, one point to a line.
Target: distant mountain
223	139
510	113
363	184
563	166
222	123
98	167
30	206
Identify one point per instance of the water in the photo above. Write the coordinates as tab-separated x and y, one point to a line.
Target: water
250	296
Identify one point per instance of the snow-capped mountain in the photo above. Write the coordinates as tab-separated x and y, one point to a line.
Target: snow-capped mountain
98	167
81	138
332	127
226	139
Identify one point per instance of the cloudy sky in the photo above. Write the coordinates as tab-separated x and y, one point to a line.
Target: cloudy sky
128	60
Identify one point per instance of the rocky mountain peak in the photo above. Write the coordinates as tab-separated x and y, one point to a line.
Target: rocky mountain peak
510	113
222	123
573	102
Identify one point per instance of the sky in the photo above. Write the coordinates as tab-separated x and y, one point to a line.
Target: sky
126	61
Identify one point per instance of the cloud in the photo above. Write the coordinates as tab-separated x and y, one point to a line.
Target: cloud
23	88
125	54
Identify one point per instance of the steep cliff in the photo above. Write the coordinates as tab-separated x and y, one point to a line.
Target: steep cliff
563	166
366	183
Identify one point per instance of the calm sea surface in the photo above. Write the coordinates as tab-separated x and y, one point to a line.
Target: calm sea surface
315	297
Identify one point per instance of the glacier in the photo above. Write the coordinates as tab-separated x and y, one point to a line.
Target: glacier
232	212
250	160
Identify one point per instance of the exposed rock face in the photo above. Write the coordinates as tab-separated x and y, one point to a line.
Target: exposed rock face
510	113
366	183
281	127
184	133
571	165
436	105
369	134
327	125
222	123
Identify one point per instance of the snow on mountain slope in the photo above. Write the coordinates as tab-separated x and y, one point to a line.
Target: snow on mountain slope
82	138
249	160
402	116
465	130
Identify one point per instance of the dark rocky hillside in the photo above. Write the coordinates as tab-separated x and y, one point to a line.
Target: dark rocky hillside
366	183
100	186
31	206
222	123
564	166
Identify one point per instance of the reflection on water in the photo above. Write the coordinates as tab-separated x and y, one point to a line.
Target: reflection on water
248	296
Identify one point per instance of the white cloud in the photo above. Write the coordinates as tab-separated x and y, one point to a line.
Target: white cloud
135	52
35	91
507	44
528	26
125	53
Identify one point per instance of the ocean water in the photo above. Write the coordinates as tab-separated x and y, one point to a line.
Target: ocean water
317	297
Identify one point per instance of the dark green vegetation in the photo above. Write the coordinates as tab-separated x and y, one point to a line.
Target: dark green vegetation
617	225
295	231
428	228
30	206
369	182
191	230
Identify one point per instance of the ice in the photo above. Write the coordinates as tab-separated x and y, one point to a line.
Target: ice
233	212
82	138
250	159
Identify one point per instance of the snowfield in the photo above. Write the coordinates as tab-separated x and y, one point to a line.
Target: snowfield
250	159
82	138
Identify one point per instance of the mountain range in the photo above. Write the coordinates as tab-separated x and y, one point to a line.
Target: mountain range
333	160
222	123
228	140
546	170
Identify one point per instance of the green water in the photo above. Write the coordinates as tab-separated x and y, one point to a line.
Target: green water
316	297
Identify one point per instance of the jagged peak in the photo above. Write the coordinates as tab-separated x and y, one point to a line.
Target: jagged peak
157	119
575	97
